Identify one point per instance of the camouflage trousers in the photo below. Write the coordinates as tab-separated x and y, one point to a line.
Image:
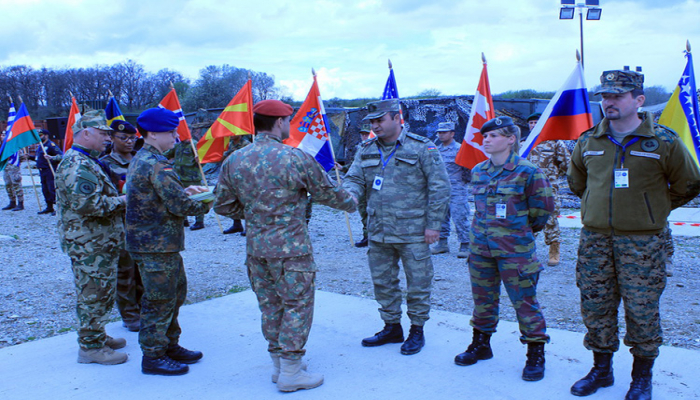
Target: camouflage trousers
459	212
285	291
630	268
551	229
13	182
519	276
362	209
669	248
418	267
165	290
95	276
197	218
129	288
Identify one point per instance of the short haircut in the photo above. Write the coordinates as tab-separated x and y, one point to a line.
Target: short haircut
637	92
264	123
142	131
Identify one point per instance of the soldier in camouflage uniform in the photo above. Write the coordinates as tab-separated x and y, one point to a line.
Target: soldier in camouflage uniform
129	286
267	184
13	181
513	200
186	166
365	130
157	205
630	173
407	188
552	158
91	232
458	211
237	142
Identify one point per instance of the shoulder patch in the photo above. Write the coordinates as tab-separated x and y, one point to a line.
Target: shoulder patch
650	144
368	142
86	182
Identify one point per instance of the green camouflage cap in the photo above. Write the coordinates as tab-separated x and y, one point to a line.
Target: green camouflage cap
95	119
366	128
377	109
617	81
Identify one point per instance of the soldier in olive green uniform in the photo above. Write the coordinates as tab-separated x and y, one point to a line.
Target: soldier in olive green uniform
157	205
186	166
407	189
91	230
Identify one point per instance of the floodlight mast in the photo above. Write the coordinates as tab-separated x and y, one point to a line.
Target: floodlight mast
593	12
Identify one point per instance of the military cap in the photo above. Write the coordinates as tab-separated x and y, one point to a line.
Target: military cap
534	116
158	120
377	109
273	108
496	123
93	118
366	128
617	81
446	126
119	125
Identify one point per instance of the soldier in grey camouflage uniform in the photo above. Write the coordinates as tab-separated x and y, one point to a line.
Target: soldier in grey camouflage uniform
129	286
157	205
91	232
630	173
267	184
458	211
186	166
365	130
13	181
407	189
553	159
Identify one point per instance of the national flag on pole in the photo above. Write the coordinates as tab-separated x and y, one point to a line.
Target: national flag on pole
682	113
567	115
471	151
172	103
112	111
73	117
21	134
309	129
236	119
13	159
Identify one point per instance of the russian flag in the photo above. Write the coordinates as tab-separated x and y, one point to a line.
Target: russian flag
567	115
309	129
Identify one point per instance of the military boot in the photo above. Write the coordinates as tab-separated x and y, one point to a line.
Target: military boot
392	333
236	227
362	243
197	226
276	366
534	366
553	254
601	375
640	388
293	377
10	206
163	365
48	210
104	355
415	341
463	250
182	355
440	247
115	343
20	206
480	349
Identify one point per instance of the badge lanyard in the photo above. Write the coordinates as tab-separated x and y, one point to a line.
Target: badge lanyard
105	168
621	174
630	143
379	179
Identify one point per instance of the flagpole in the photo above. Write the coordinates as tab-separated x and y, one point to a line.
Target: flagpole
43	149
29	166
337	174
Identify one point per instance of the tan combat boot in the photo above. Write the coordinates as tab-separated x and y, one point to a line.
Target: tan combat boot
276	366
553	254
293	377
104	356
115	343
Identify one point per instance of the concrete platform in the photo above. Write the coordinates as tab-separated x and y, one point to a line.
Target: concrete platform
236	364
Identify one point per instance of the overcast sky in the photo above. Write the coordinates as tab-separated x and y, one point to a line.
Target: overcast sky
433	44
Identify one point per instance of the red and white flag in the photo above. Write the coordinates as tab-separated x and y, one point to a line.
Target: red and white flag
471	152
172	103
73	117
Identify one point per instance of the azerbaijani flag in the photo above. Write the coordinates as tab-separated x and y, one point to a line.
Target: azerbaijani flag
112	111
21	134
567	115
172	103
73	117
471	150
309	130
681	111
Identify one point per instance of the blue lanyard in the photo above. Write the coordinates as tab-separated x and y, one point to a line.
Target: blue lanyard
104	167
381	155
630	143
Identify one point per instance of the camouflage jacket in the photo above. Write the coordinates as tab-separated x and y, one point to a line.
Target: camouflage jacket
233	146
459	175
185	162
118	165
415	189
552	158
522	192
156	204
662	176
267	184
89	206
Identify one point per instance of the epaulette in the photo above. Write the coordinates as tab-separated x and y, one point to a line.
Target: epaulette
665	133
369	141
417	137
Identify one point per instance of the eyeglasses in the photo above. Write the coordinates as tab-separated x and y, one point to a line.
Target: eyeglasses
126	138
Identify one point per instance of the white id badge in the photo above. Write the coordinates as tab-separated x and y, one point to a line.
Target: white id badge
377	184
622	178
500	210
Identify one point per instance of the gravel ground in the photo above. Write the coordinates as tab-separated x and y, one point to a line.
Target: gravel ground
37	298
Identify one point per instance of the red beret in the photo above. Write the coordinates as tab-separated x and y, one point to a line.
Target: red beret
273	108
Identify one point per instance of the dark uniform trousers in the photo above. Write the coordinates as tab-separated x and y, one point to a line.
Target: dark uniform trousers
48	186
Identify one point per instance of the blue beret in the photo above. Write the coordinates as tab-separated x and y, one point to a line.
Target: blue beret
119	125
158	120
496	123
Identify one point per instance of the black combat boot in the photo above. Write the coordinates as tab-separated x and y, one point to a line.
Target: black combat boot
601	375
10	206
640	388
163	365
534	366
20	206
415	341
236	227
392	333
181	354
197	226
362	243
480	349
48	210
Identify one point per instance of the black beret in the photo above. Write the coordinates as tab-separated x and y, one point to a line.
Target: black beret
119	125
496	123
534	116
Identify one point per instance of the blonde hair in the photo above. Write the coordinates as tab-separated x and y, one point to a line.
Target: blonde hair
512	130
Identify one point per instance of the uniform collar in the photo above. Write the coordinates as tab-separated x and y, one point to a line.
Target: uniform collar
511	162
646	128
152	149
92	153
267	136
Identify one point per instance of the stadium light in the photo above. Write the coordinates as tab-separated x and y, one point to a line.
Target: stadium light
593	12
